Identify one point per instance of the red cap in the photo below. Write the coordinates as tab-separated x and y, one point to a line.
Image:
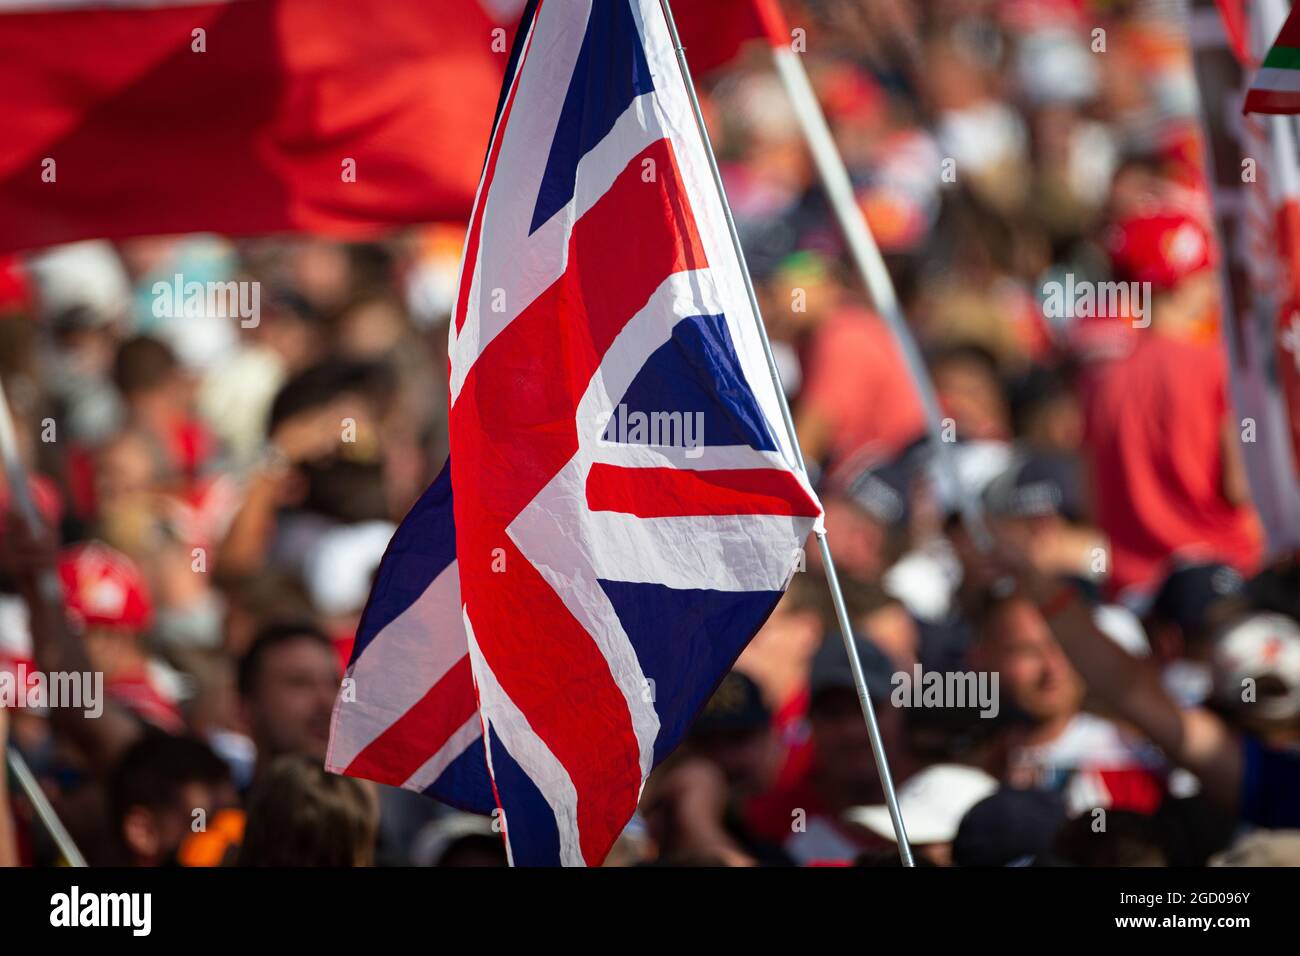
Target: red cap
104	588
15	289
1162	248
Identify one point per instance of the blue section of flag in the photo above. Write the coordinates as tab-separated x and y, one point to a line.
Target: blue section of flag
686	642
611	71
526	811
421	549
697	370
466	783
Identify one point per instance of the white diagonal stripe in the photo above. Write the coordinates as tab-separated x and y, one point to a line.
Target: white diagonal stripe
398	667
529	751
467	735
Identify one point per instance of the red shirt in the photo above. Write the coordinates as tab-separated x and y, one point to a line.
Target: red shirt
1154	424
856	380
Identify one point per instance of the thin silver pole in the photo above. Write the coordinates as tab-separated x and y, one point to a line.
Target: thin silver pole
16	475
841	612
67	846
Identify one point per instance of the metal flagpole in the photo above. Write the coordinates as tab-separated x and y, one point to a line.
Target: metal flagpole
864	251
841	612
23	505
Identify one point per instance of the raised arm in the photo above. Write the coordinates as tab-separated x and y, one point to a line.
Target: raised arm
31	560
1193	738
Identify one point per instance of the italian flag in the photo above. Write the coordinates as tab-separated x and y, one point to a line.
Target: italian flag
154	117
1276	88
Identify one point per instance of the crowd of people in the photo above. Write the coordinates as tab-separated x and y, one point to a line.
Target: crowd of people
1105	671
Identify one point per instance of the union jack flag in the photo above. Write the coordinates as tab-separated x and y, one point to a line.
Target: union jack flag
537	641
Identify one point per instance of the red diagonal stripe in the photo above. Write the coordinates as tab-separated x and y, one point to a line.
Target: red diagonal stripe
419	733
513	427
671	493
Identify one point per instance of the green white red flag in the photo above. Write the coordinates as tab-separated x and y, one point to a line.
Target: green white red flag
1276	87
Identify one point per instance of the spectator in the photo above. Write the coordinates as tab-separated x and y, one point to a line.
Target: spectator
300	815
932	804
163	789
1157	419
1009	827
225	490
807	813
732	744
288	680
1243	771
1051	743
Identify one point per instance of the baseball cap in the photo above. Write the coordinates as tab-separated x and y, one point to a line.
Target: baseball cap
1264	648
1161	248
735	707
882	491
831	669
1035	485
104	588
86	274
438	836
932	803
1190	591
1008	826
15	287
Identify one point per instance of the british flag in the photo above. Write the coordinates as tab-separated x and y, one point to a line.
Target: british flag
538	641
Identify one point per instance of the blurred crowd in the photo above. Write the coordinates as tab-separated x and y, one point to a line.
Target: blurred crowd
216	494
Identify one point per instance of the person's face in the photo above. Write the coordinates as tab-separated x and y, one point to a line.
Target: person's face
370	330
1056	424
111	649
1033	670
841	743
972	398
800	298
859	540
153	836
124	467
749	760
1038	536
90	351
289	707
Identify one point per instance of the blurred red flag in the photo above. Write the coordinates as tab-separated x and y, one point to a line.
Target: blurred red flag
262	116
713	31
246	117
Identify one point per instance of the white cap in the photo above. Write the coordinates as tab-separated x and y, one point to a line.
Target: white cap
1260	646
86	274
436	837
932	803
